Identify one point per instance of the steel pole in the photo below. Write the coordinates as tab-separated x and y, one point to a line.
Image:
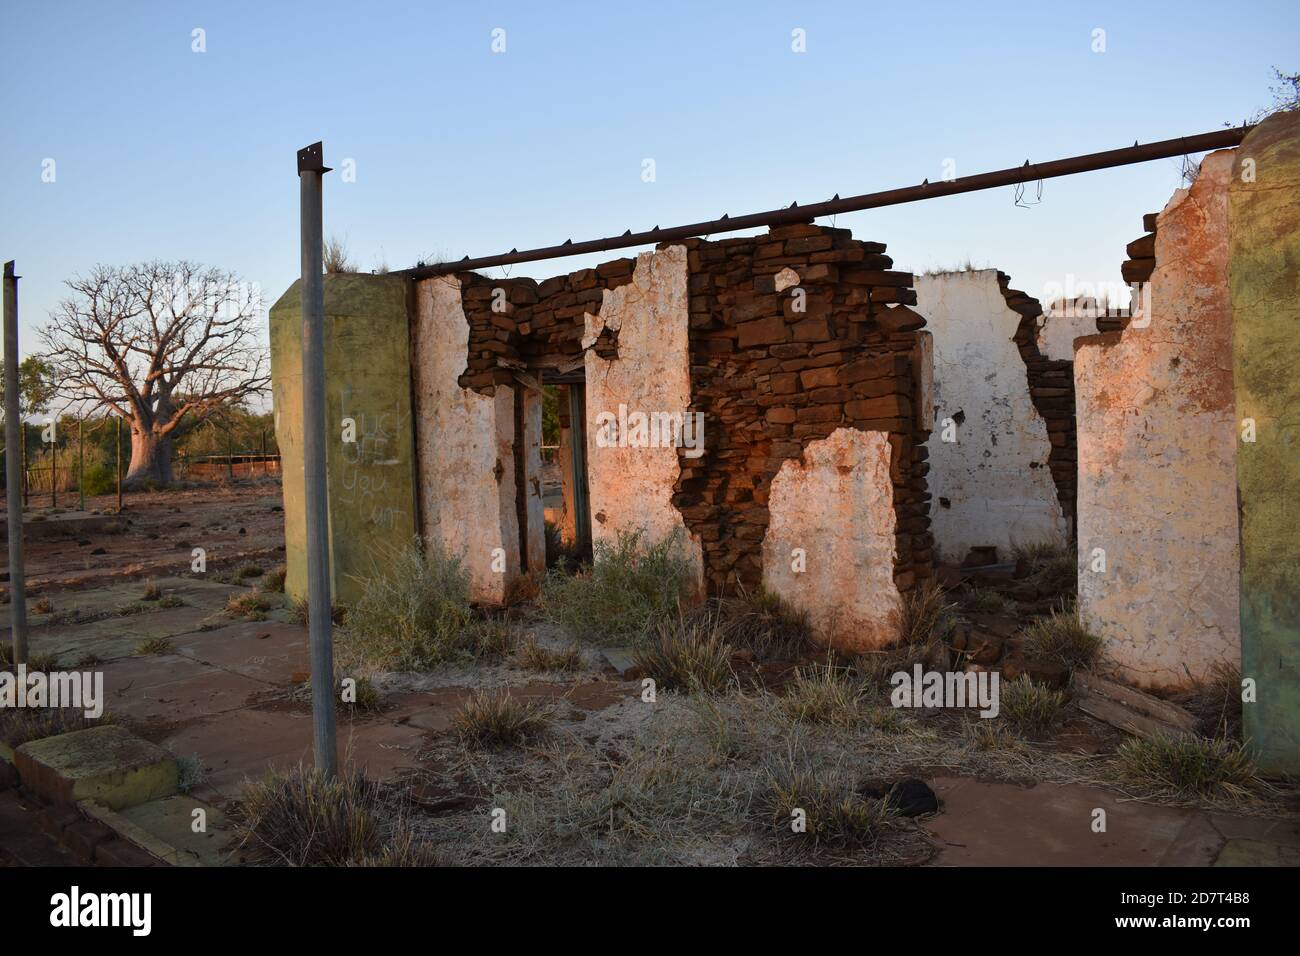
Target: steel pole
311	171
14	472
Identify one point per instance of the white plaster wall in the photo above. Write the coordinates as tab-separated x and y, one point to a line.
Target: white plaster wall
995	476
1157	458
837	505
1066	322
632	488
464	446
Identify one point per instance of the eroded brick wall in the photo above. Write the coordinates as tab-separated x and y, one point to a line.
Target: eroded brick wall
771	379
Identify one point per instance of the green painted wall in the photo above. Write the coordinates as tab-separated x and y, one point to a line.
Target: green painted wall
368	379
1264	280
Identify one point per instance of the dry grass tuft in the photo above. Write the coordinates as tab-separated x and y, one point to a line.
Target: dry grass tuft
1031	707
1062	639
688	654
491	719
1188	766
536	657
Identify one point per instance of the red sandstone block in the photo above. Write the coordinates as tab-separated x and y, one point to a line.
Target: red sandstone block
763	332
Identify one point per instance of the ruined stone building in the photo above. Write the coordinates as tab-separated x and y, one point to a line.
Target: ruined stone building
825	381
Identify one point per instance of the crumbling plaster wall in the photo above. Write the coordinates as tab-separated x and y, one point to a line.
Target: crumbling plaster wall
1264	278
464	446
630	486
992	486
830	545
1157	458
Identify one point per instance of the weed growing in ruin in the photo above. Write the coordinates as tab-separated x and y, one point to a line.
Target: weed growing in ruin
171	600
273	582
498	719
1031	707
151	592
629	587
536	657
42	605
688	654
153	645
1188	766
252	606
1062	639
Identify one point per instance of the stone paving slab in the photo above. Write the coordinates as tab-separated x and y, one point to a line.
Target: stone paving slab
170	687
999	824
170	824
265	650
240	744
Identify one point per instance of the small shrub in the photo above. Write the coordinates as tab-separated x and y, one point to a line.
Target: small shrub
135	607
171	600
190	772
1031	707
1063	639
404	849
629	587
415	615
274	580
42	605
536	657
1189	766
823	694
99	479
154	645
306	819
688	654
498	719
151	592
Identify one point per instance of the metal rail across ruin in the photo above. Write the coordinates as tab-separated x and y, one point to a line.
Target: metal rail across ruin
1028	173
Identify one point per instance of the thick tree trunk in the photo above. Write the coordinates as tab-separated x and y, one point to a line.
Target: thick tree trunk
151	459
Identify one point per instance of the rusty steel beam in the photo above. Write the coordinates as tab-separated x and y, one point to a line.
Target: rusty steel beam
1028	173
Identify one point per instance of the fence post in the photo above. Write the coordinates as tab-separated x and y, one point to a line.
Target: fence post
54	463
81	465
118	449
14	460
230	455
311	170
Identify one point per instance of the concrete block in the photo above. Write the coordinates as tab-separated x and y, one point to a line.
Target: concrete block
107	764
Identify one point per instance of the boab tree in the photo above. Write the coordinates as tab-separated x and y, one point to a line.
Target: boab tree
164	345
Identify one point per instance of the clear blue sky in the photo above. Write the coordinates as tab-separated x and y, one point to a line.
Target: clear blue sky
166	153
